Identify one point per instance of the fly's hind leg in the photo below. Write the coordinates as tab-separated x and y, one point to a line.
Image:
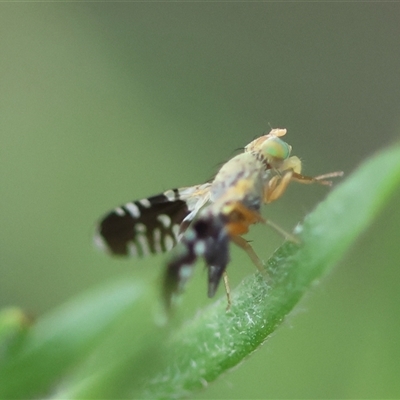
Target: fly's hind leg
246	246
228	291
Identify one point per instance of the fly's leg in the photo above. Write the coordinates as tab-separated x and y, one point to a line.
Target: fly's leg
240	219
293	164
282	232
228	291
246	246
321	179
276	186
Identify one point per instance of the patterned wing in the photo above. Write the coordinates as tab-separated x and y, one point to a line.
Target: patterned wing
152	225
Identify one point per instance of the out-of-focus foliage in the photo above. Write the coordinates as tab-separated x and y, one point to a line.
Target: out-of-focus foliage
104	103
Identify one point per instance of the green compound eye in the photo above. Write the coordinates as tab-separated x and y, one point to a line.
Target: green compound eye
276	148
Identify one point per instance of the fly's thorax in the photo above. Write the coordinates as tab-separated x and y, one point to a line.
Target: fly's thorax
243	192
244	168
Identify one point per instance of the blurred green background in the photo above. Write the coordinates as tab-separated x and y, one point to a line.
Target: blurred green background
109	102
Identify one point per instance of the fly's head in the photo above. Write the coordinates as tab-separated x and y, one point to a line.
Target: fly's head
274	152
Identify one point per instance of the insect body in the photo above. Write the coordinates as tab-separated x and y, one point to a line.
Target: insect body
204	219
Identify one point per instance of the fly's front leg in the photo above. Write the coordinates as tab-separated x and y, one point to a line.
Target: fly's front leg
321	179
276	186
294	164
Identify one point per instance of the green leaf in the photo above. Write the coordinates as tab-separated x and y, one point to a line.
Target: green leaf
66	337
106	344
216	341
13	327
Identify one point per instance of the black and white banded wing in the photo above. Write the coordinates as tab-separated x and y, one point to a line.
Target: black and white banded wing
153	225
